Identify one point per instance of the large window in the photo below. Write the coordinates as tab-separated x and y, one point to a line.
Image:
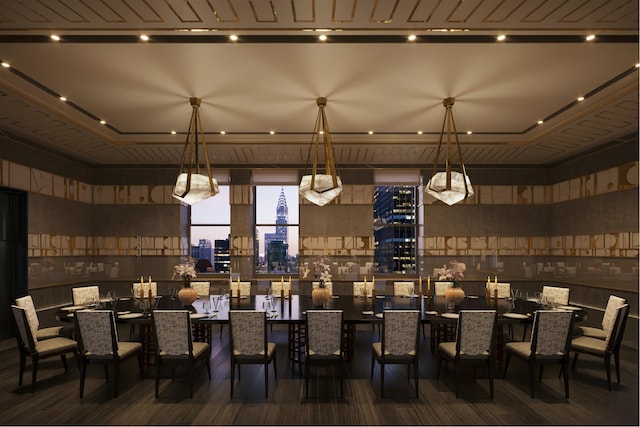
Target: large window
276	229
210	229
394	229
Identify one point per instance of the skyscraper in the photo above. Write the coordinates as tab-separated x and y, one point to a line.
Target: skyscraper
276	245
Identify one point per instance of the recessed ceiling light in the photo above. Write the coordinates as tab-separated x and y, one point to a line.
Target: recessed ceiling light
501	37
322	37
322	30
6	64
321	132
580	98
540	122
233	38
173	132
370	132
590	37
144	38
419	132
62	98
222	132
412	37
102	122
272	132
638	65
469	132
55	37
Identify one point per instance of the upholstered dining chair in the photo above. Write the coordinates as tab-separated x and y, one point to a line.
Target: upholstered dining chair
202	288
504	290
248	344
399	344
145	288
604	348
550	340
26	302
474	344
30	346
85	295
278	286
556	295
324	329
403	288
175	345
441	287
358	288
98	343
242	289
608	320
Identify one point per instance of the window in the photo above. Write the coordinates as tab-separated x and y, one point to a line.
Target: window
394	229
210	229
276	229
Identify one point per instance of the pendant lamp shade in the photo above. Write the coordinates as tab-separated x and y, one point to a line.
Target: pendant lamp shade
192	186
321	188
449	186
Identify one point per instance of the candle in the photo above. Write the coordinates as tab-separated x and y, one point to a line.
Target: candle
141	279
364	292
429	285
149	281
420	285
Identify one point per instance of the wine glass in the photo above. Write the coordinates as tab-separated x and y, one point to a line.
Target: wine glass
216	303
206	305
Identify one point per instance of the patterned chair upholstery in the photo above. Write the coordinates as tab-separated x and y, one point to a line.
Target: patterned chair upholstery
474	343
504	290
98	343
324	329
41	334
608	320
328	285
85	295
248	344
358	287
557	296
399	344
244	287
202	288
29	345
175	346
145	287
277	286
441	287
550	340
604	348
403	288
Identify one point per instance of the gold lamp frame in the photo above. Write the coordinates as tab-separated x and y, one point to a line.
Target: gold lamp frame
191	186
321	188
449	186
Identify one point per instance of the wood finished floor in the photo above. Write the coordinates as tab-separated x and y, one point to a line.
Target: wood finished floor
56	400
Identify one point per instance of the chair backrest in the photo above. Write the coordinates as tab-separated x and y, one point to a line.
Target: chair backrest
97	333
26	338
173	332
504	290
202	288
551	334
26	302
441	287
324	332
610	313
359	286
475	332
400	332
244	287
615	337
403	288
145	288
85	295
327	285
248	332
556	295
276	287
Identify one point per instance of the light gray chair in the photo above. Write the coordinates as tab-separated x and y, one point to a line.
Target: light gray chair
30	346
474	344
608	320
550	341
324	331
399	344
41	334
175	346
556	295
604	348
98	343
248	344
85	295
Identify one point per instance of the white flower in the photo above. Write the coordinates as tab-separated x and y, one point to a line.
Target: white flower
185	270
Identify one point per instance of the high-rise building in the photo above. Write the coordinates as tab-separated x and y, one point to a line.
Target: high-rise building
279	253
222	257
203	255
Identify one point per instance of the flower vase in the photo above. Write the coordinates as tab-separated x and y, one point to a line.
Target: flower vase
187	295
320	295
454	294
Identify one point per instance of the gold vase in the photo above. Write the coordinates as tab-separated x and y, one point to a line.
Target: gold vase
187	295
454	294
320	296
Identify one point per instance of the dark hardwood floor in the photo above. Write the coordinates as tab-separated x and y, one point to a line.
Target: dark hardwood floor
56	400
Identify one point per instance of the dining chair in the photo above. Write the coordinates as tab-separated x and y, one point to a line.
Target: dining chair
85	295
604	348
550	341
474	344
30	346
399	344
98	343
556	295
358	288
403	288
145	288
41	334
202	288
504	290
175	345
242	289
324	329
441	287
248	344
608	319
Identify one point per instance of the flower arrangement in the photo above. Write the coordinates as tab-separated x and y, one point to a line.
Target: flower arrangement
321	269
186	271
453	272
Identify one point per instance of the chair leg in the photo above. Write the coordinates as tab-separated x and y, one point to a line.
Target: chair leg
381	379
23	367
506	365
607	366
306	378
157	377
455	370
575	360
191	379
490	373
541	370
373	359
616	357
34	373
565	370
532	374
64	362
233	370
208	363
266	380
439	362
116	377
416	375
83	372
141	364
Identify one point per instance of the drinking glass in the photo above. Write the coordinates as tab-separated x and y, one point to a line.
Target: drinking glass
216	303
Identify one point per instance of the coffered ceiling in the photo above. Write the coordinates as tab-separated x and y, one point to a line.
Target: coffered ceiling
268	80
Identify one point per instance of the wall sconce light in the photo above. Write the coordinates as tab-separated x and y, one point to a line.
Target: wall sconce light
449	186
191	186
320	188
